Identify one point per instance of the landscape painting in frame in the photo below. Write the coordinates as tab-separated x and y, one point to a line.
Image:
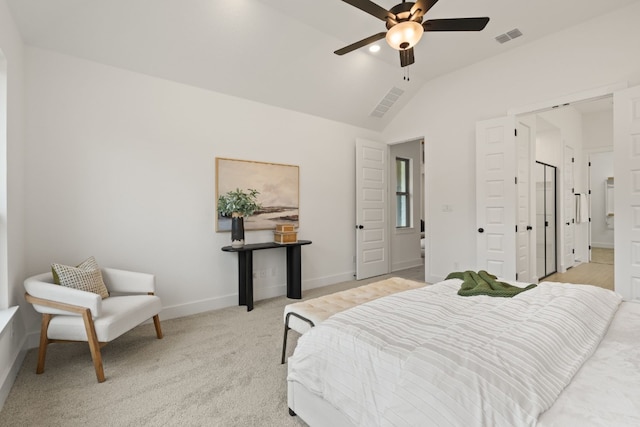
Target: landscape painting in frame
277	184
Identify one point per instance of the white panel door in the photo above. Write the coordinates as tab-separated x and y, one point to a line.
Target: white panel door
569	209
524	267
496	196
626	166
372	243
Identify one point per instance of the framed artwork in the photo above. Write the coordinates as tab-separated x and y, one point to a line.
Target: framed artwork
277	184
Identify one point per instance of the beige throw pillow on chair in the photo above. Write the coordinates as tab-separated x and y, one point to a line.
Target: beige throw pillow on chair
85	277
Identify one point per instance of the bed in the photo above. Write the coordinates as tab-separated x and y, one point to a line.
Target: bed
555	355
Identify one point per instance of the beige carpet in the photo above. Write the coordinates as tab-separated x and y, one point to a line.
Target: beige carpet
220	368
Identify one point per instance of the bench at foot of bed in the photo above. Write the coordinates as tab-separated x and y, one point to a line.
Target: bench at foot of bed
302	316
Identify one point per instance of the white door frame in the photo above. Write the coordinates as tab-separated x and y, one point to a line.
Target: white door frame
595	93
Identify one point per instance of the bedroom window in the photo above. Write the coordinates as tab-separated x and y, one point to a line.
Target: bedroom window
403	195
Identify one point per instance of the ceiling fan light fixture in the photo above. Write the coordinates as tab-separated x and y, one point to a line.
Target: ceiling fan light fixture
404	35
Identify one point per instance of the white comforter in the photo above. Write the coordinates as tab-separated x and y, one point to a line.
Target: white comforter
429	357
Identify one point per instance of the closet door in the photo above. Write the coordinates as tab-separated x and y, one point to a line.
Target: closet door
626	163
550	224
496	196
546	212
541	230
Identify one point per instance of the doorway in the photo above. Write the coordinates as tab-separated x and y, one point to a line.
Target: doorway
406	202
546	211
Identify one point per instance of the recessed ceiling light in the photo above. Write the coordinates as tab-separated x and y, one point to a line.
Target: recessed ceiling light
374	48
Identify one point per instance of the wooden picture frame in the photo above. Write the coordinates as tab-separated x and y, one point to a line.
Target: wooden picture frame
278	185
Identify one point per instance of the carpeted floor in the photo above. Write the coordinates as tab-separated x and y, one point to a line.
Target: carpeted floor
220	368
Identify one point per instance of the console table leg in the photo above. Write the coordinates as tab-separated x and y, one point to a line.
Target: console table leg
249	274
245	279
294	272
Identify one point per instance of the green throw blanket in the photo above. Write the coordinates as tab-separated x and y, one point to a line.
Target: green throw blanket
483	283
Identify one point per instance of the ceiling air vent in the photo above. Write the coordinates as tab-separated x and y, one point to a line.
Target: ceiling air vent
387	102
509	35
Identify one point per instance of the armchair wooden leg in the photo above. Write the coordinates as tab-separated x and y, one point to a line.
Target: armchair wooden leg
44	341
156	323
94	345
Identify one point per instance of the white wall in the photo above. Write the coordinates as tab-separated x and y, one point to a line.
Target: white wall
597	130
12	266
405	242
598	148
121	166
601	225
549	147
447	109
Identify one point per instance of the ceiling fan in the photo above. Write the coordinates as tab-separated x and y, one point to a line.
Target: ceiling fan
405	27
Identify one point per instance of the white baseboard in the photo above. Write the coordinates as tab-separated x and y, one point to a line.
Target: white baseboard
603	245
328	280
407	264
260	292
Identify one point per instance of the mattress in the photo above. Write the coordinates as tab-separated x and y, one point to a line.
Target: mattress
386	384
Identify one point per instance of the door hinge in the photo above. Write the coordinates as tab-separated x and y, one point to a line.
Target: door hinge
573	160
516	228
589	219
573	191
589	191
589	163
515	132
516	180
573	251
516	276
589	247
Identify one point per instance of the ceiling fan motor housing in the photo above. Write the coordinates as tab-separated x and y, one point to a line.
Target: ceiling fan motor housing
402	12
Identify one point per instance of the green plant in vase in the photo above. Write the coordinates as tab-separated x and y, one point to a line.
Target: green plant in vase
238	204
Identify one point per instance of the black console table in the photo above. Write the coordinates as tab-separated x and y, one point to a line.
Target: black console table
245	269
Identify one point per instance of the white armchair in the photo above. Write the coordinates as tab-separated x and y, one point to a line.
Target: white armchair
74	315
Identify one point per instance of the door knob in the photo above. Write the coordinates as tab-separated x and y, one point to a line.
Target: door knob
480	230
529	227
360	227
568	223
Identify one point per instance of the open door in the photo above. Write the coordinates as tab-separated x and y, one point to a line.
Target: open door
496	196
524	222
626	165
569	214
372	242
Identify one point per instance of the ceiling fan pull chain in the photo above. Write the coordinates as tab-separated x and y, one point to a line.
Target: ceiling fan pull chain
406	74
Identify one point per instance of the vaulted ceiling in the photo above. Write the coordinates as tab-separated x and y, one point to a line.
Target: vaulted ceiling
280	52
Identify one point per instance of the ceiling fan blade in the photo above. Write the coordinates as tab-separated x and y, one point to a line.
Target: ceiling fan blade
361	43
406	57
456	24
371	8
423	6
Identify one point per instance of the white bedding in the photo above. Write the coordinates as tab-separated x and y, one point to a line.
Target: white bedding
606	390
428	354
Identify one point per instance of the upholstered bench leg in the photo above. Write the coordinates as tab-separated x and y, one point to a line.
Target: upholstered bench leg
156	323
44	341
94	345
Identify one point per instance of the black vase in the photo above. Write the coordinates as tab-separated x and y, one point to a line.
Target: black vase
237	231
